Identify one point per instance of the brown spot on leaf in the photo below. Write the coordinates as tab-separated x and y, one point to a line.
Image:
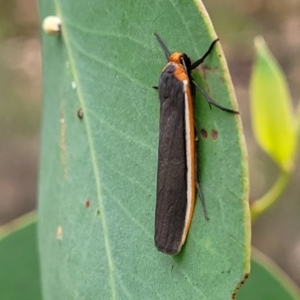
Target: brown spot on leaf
203	133
214	134
80	113
209	68
87	203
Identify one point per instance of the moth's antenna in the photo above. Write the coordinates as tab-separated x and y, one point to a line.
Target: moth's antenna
164	47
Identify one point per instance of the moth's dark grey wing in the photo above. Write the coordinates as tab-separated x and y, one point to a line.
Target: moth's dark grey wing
171	201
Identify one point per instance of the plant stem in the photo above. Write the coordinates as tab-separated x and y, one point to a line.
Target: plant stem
263	203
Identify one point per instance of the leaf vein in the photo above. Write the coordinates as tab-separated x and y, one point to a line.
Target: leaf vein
93	158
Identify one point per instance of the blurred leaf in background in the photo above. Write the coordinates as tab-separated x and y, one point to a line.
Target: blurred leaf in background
19	271
273	119
275	126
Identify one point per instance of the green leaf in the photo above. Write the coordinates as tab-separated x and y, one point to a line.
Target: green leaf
267	282
19	275
98	174
273	120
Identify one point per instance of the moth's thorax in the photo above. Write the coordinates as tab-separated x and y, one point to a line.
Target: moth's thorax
177	70
176	57
180	58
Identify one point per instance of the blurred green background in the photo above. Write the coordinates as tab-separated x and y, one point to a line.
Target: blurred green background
237	22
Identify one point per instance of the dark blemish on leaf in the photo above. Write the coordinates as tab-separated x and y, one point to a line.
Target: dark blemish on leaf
80	113
87	203
206	67
214	134
209	68
239	285
203	133
244	279
98	212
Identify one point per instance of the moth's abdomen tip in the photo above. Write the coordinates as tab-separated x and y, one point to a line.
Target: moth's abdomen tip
166	249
